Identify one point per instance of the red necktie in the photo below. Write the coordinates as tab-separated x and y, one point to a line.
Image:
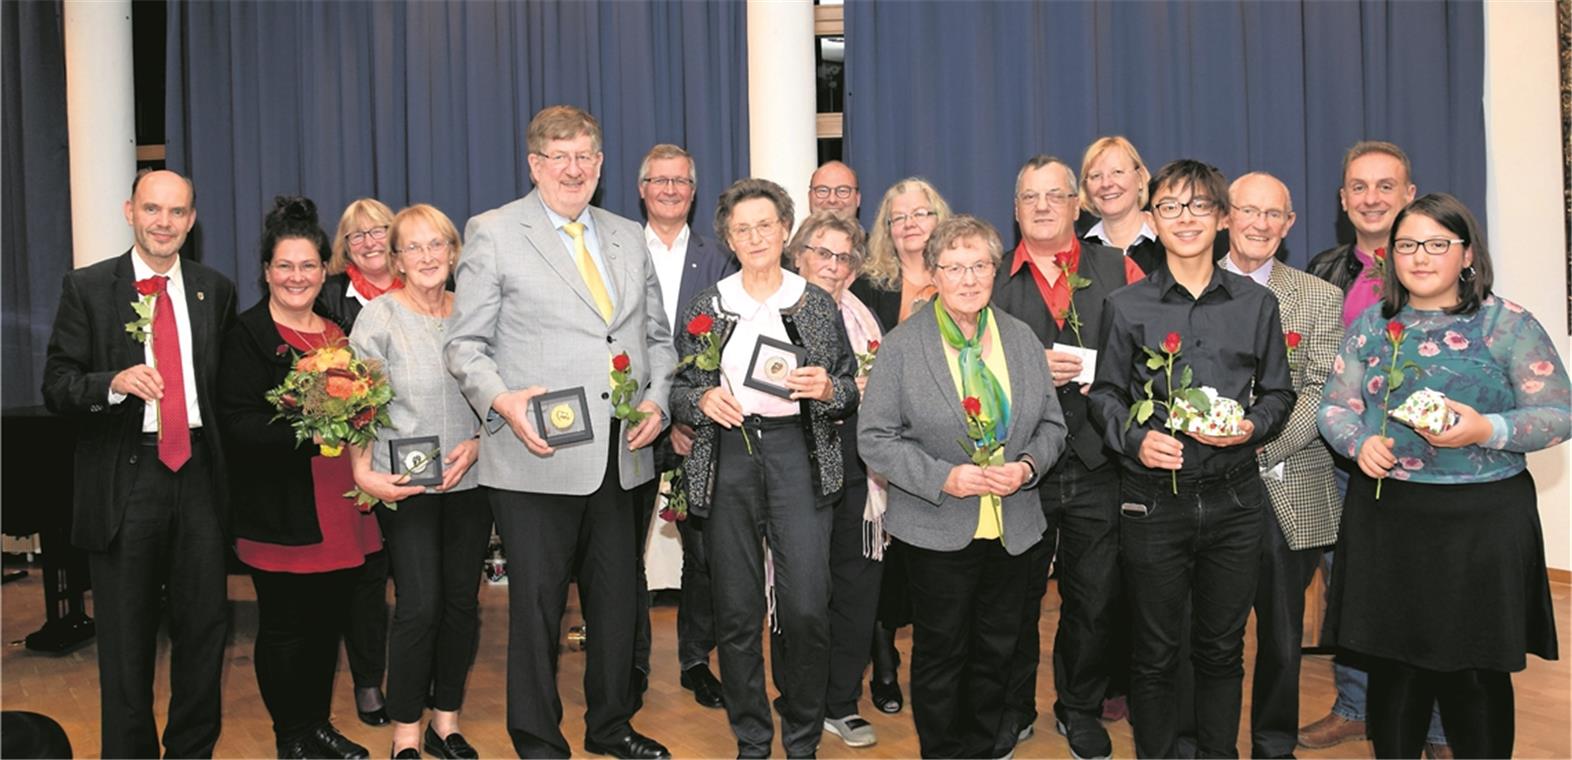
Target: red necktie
174	430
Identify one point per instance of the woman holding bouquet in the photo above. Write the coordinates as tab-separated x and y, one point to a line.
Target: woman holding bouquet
1441	586
436	535
766	463
962	371
303	540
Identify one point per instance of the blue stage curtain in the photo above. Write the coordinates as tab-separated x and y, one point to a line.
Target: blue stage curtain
964	93
428	102
36	198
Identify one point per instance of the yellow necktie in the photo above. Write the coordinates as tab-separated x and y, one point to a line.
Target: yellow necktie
587	270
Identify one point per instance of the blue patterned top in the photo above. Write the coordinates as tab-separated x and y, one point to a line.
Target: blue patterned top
1498	360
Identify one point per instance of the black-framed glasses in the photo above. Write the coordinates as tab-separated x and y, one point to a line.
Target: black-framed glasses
842	192
1029	198
920	215
825	255
375	233
1170	209
680	183
1433	246
956	273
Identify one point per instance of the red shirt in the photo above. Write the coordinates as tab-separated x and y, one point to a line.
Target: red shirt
1056	295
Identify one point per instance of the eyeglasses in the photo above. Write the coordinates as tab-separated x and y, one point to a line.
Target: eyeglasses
956	273
825	255
679	183
375	233
1249	214
1055	198
1117	175
435	248
842	192
916	217
1433	246
1170	209
765	230
560	160
287	269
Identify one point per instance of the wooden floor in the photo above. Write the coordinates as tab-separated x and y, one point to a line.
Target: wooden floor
66	688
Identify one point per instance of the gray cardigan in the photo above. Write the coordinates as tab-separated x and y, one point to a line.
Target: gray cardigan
911	424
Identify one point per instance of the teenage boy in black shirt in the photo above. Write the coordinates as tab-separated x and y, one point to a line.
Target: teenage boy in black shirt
1190	503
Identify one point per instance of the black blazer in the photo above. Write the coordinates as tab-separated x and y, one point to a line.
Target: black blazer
1018	296
704	265
885	304
335	302
274	500
88	346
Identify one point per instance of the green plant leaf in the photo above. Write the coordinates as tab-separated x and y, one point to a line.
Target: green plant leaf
1199	400
1154	363
1145	409
1185	377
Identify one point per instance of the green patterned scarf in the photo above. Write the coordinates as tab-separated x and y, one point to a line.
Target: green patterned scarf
976	379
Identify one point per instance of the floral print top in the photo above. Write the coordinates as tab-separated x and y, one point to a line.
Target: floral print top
1498	360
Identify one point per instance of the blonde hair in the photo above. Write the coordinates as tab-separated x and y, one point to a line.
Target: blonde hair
356	214
1102	145
561	123
431	215
884	265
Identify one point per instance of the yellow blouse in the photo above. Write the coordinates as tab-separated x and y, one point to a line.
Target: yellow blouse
988	506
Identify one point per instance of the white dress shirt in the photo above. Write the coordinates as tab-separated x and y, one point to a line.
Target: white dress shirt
668	269
1261	275
591	242
177	298
1097	231
756	319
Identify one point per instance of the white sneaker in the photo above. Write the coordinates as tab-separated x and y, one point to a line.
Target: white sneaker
853	730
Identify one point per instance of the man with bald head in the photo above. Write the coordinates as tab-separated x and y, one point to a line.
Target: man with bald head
833	187
149	503
1295	465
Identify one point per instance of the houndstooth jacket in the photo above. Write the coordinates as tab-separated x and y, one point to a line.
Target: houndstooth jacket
814	323
1305	500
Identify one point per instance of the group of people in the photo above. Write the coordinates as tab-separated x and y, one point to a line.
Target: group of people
935	425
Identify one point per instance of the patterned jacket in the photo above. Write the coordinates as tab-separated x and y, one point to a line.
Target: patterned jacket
1305	499
814	323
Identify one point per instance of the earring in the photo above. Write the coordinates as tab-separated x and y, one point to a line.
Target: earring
1467	274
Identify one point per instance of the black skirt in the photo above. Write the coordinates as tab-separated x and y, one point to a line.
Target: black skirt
1442	577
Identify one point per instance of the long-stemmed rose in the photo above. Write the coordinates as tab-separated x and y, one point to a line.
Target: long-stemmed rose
1142	410
1069	262
708	358
865	359
1292	339
982	443
624	389
141	329
1396	373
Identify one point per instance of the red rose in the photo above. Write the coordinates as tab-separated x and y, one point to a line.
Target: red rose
283	348
701	324
289	401
1394	331
1066	260
1171	343
1380	254
363	418
620	362
873	346
972	406
150	286
667	514
1293	339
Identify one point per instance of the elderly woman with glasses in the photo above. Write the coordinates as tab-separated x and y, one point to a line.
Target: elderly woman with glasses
436	532
766	376
828	251
962	371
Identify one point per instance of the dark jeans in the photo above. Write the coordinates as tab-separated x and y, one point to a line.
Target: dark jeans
1279	632
1199	547
436	543
767	497
366	639
966	617
1082	508
1476	710
300	619
854	599
169	544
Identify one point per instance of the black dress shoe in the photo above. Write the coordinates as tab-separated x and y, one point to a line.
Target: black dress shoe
452	748
407	753
634	745
705	687
326	741
370	706
886	695
294	749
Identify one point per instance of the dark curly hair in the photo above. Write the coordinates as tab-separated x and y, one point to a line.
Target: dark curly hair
293	216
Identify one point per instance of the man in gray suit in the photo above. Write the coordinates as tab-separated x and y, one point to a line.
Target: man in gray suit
1295	465
550	292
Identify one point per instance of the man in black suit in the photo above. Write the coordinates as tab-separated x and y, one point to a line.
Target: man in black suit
134	356
685	262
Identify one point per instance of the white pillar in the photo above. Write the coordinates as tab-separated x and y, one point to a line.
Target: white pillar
101	117
1523	193
782	129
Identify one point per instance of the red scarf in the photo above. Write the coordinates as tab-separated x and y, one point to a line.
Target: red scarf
364	287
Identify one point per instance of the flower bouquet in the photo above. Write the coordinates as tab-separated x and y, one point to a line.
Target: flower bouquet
335	395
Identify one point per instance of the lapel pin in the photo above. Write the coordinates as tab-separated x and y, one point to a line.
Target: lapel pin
201	295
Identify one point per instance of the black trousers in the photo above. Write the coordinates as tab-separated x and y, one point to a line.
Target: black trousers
1279	630
854	599
966	618
1476	710
1082	507
643	510
366	640
767	497
300	619
696	607
436	544
550	539
169	548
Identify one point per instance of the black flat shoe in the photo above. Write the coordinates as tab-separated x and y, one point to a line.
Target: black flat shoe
407	753
635	746
371	697
326	741
886	696
705	687
453	747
